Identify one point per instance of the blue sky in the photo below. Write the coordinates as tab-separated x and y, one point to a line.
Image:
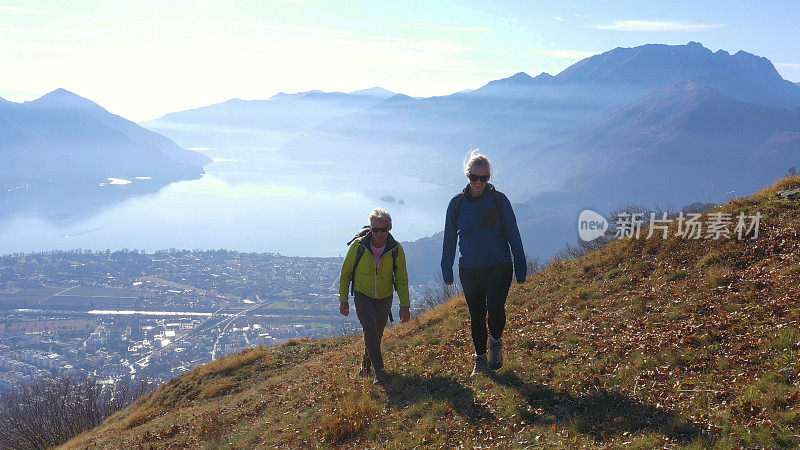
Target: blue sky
142	59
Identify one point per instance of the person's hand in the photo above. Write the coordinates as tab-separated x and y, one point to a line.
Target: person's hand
344	308
405	314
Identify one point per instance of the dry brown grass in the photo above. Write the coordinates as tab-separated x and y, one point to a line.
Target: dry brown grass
349	419
230	363
218	387
138	417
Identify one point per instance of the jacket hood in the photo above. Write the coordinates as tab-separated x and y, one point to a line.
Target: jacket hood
391	243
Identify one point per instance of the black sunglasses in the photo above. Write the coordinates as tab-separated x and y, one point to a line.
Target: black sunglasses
473	177
380	230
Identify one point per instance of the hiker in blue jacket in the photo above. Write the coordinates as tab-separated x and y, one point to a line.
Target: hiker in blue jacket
482	220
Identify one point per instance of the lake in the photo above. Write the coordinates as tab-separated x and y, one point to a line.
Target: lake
250	199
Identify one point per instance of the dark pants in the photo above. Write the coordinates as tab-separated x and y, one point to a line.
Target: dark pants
486	289
373	315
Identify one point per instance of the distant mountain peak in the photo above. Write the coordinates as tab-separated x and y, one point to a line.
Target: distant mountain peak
298	94
653	65
375	91
519	76
519	83
398	98
64	98
61	93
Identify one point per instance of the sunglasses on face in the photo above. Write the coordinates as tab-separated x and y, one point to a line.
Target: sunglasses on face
380	230
473	177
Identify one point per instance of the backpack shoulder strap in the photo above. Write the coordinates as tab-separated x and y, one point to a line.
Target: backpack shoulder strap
459	201
498	203
395	251
359	254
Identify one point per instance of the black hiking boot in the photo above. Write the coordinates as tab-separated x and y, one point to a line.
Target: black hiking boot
496	354
481	365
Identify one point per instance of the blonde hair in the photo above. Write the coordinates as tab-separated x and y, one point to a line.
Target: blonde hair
475	159
380	214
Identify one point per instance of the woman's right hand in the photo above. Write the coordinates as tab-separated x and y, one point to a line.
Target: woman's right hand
344	308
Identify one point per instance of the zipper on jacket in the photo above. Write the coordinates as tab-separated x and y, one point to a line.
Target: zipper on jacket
375	283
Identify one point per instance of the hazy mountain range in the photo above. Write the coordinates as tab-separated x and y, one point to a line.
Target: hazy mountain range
540	129
251	123
64	148
668	124
598	116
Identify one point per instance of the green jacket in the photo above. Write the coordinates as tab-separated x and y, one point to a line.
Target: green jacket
375	283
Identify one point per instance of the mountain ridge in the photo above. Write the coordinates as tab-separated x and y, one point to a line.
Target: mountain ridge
61	149
280	117
376	92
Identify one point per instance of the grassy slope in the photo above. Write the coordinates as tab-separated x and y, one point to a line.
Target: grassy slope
643	343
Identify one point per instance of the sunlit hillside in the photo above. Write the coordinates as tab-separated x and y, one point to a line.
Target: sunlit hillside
645	343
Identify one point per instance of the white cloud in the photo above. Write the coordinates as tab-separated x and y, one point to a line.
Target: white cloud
462	29
77	33
272	27
49	33
566	54
18	10
431	27
655	25
17	30
558	18
430	46
16	45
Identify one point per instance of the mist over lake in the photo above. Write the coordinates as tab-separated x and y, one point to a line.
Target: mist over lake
249	199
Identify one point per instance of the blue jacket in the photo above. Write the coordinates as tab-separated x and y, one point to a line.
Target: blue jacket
483	240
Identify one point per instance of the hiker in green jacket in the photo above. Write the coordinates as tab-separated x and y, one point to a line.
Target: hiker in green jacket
376	266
